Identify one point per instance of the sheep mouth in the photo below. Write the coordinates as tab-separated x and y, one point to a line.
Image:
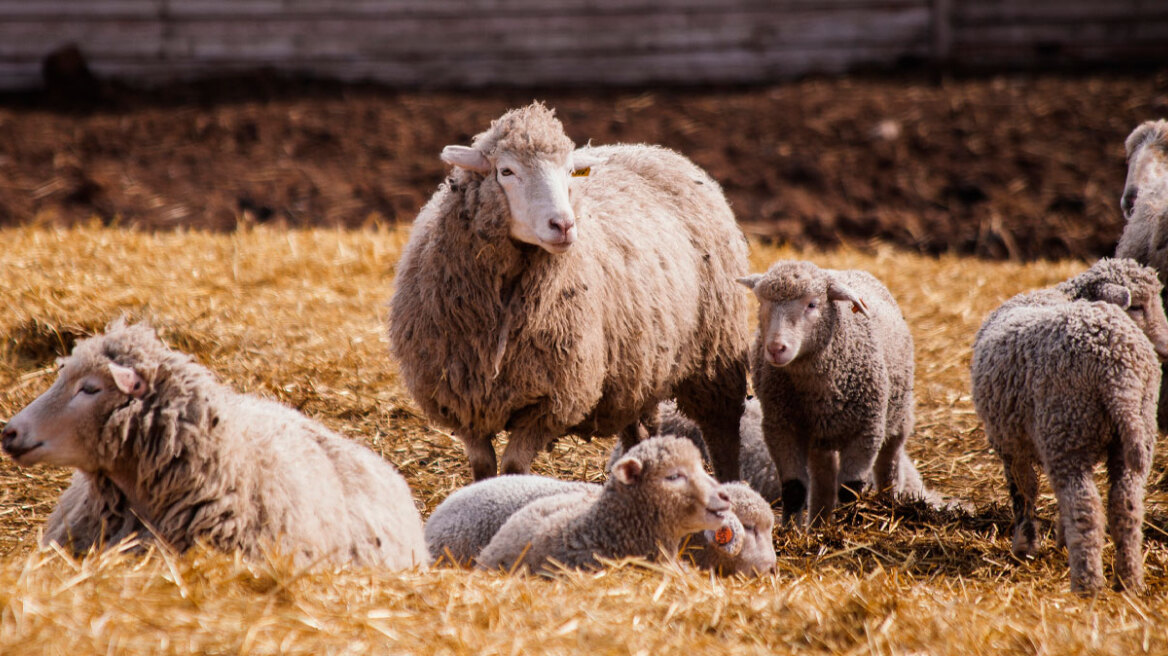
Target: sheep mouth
17	451
558	247
718	513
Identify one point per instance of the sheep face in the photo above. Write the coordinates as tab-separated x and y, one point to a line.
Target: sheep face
666	474
63	425
796	309
1147	163
757	554
1146	308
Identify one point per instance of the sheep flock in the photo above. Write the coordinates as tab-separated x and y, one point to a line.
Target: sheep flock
550	295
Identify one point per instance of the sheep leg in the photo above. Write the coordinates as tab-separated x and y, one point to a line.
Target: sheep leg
1081	514
481	453
632	435
1022	481
823	466
856	462
522	447
789	454
716	404
1125	516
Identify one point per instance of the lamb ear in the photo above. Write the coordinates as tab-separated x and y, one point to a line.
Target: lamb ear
840	292
628	470
1115	294
128	380
466	158
750	281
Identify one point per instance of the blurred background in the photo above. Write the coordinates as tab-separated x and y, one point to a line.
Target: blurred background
988	127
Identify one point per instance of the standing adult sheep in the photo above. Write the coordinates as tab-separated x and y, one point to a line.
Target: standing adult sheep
547	290
1145	207
1065	378
164	451
833	370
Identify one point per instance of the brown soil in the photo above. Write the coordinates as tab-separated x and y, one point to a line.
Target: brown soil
1009	166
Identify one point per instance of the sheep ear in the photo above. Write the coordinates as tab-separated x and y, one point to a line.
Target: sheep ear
128	380
582	163
628	470
466	158
750	281
840	292
1138	137
1115	294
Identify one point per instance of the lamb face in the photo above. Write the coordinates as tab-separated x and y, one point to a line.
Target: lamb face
1147	163
671	479
756	550
535	180
1146	308
795	311
63	426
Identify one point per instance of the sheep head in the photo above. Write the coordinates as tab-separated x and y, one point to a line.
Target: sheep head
666	474
526	156
1147	163
796	313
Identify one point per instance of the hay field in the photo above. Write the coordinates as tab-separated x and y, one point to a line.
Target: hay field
299	316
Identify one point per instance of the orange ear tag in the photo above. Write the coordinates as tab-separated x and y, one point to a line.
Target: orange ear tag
855	308
582	173
724	535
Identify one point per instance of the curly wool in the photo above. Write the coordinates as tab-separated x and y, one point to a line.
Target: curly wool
1066	383
494	335
234	471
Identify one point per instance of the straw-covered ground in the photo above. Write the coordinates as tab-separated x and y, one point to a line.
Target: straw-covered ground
299	316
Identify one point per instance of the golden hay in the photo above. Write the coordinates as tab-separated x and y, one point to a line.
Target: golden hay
299	316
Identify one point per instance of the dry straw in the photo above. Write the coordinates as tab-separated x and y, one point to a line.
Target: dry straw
299	316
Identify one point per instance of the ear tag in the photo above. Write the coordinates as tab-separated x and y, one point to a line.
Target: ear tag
724	535
582	173
859	306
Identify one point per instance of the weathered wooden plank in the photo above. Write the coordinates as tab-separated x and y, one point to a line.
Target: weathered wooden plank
1097	34
967	13
98	39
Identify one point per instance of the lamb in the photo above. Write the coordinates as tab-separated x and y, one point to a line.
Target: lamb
161	449
547	290
1145	207
464	523
1066	377
657	494
835	386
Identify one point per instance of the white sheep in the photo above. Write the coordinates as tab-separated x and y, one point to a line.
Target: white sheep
163	450
833	370
1067	377
547	291
1145	206
464	523
657	494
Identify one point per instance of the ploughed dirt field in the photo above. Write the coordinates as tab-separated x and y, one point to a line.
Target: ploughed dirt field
1021	166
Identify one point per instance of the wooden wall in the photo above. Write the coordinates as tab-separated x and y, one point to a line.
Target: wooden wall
564	42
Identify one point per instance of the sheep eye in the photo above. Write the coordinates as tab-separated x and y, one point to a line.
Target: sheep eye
90	388
812	305
675	477
506	172
1136	308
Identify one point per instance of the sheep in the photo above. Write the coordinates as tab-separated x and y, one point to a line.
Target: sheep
657	494
464	523
547	290
835	386
1064	378
162	449
1145	207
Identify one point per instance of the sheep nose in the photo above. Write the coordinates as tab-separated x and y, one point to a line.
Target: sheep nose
561	226
8	436
777	349
1128	200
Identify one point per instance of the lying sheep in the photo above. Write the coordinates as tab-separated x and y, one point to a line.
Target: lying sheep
657	494
547	291
464	523
1145	206
163	450
835	385
1066	383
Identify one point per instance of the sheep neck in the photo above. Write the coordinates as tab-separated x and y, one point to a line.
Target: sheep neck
635	522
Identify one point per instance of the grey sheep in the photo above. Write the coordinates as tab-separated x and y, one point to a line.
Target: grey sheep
1145	207
164	451
464	523
657	494
833	370
1067	377
547	290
